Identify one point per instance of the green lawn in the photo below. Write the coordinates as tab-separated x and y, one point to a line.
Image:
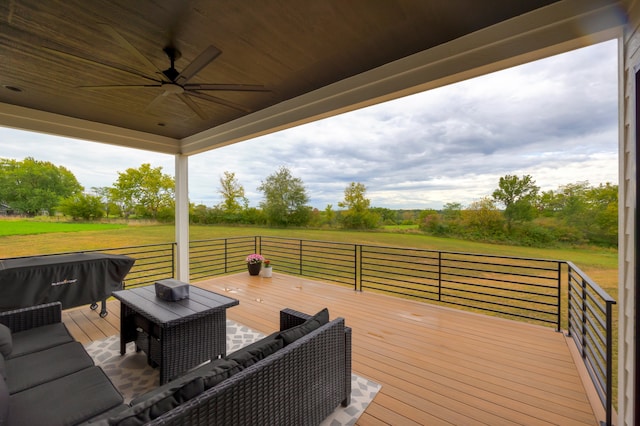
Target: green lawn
31	227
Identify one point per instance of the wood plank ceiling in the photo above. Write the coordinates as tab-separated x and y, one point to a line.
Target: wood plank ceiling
50	49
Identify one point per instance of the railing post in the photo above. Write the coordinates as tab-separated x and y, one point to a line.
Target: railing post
226	256
584	318
439	276
609	406
357	282
173	260
559	319
300	256
569	293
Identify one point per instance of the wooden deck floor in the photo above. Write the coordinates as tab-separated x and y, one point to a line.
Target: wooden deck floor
437	366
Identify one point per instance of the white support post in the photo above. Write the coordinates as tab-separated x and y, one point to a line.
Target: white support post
182	217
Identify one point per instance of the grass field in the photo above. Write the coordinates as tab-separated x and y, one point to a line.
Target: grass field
28	227
24	238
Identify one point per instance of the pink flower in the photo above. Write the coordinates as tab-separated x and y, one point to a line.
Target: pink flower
254	258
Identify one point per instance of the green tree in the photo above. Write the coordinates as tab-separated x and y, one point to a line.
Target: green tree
285	199
82	206
329	214
518	195
33	186
144	190
232	192
357	214
482	219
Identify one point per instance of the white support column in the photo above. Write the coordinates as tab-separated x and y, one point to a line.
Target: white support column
182	217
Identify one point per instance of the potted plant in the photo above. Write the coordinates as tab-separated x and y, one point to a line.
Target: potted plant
254	263
266	268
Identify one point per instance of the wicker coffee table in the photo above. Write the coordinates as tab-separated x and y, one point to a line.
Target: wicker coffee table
176	336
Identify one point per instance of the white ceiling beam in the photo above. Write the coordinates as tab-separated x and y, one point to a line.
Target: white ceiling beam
32	120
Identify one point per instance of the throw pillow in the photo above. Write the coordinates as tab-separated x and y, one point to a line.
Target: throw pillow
292	334
6	341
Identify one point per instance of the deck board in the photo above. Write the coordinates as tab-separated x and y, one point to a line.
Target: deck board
437	365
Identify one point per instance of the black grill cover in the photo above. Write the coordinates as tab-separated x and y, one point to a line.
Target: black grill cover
72	279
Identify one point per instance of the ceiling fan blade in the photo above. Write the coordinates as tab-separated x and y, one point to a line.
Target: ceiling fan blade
218	101
207	55
121	86
99	64
129	47
194	107
227	87
156	101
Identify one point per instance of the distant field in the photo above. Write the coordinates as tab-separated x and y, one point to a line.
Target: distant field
27	227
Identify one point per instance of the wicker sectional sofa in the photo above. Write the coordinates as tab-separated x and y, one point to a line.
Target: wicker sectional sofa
47	377
297	375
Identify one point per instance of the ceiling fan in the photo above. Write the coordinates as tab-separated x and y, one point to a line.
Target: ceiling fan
171	81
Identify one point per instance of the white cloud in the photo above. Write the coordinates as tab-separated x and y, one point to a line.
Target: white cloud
555	119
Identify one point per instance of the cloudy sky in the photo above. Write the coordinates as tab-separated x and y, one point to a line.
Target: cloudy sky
555	119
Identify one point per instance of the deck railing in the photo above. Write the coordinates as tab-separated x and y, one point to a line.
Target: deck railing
591	326
514	287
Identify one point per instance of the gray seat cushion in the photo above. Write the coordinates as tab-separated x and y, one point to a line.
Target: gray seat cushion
158	401
4	402
40	367
68	400
5	340
39	338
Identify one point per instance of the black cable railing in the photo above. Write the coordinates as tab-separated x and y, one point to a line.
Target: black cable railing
513	287
590	323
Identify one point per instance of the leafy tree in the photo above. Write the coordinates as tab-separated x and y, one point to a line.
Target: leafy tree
232	194
357	214
33	186
329	214
518	195
144	190
82	206
483	219
285	199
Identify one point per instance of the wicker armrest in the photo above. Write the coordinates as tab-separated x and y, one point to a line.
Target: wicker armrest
31	317
290	318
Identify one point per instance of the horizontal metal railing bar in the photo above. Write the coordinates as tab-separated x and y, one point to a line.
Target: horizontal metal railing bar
498	312
500	304
385	286
598	368
603	294
501	288
445	270
495	268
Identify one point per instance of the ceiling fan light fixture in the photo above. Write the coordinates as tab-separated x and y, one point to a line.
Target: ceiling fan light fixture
172	89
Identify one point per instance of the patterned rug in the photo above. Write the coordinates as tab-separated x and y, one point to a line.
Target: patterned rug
132	376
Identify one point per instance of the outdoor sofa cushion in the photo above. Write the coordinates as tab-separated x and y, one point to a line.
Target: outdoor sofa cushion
3	369
5	340
33	369
158	401
39	338
70	399
257	351
292	334
4	402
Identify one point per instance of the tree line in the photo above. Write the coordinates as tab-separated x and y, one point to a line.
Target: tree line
516	212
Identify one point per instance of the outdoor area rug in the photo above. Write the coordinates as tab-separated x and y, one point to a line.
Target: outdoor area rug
132	376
